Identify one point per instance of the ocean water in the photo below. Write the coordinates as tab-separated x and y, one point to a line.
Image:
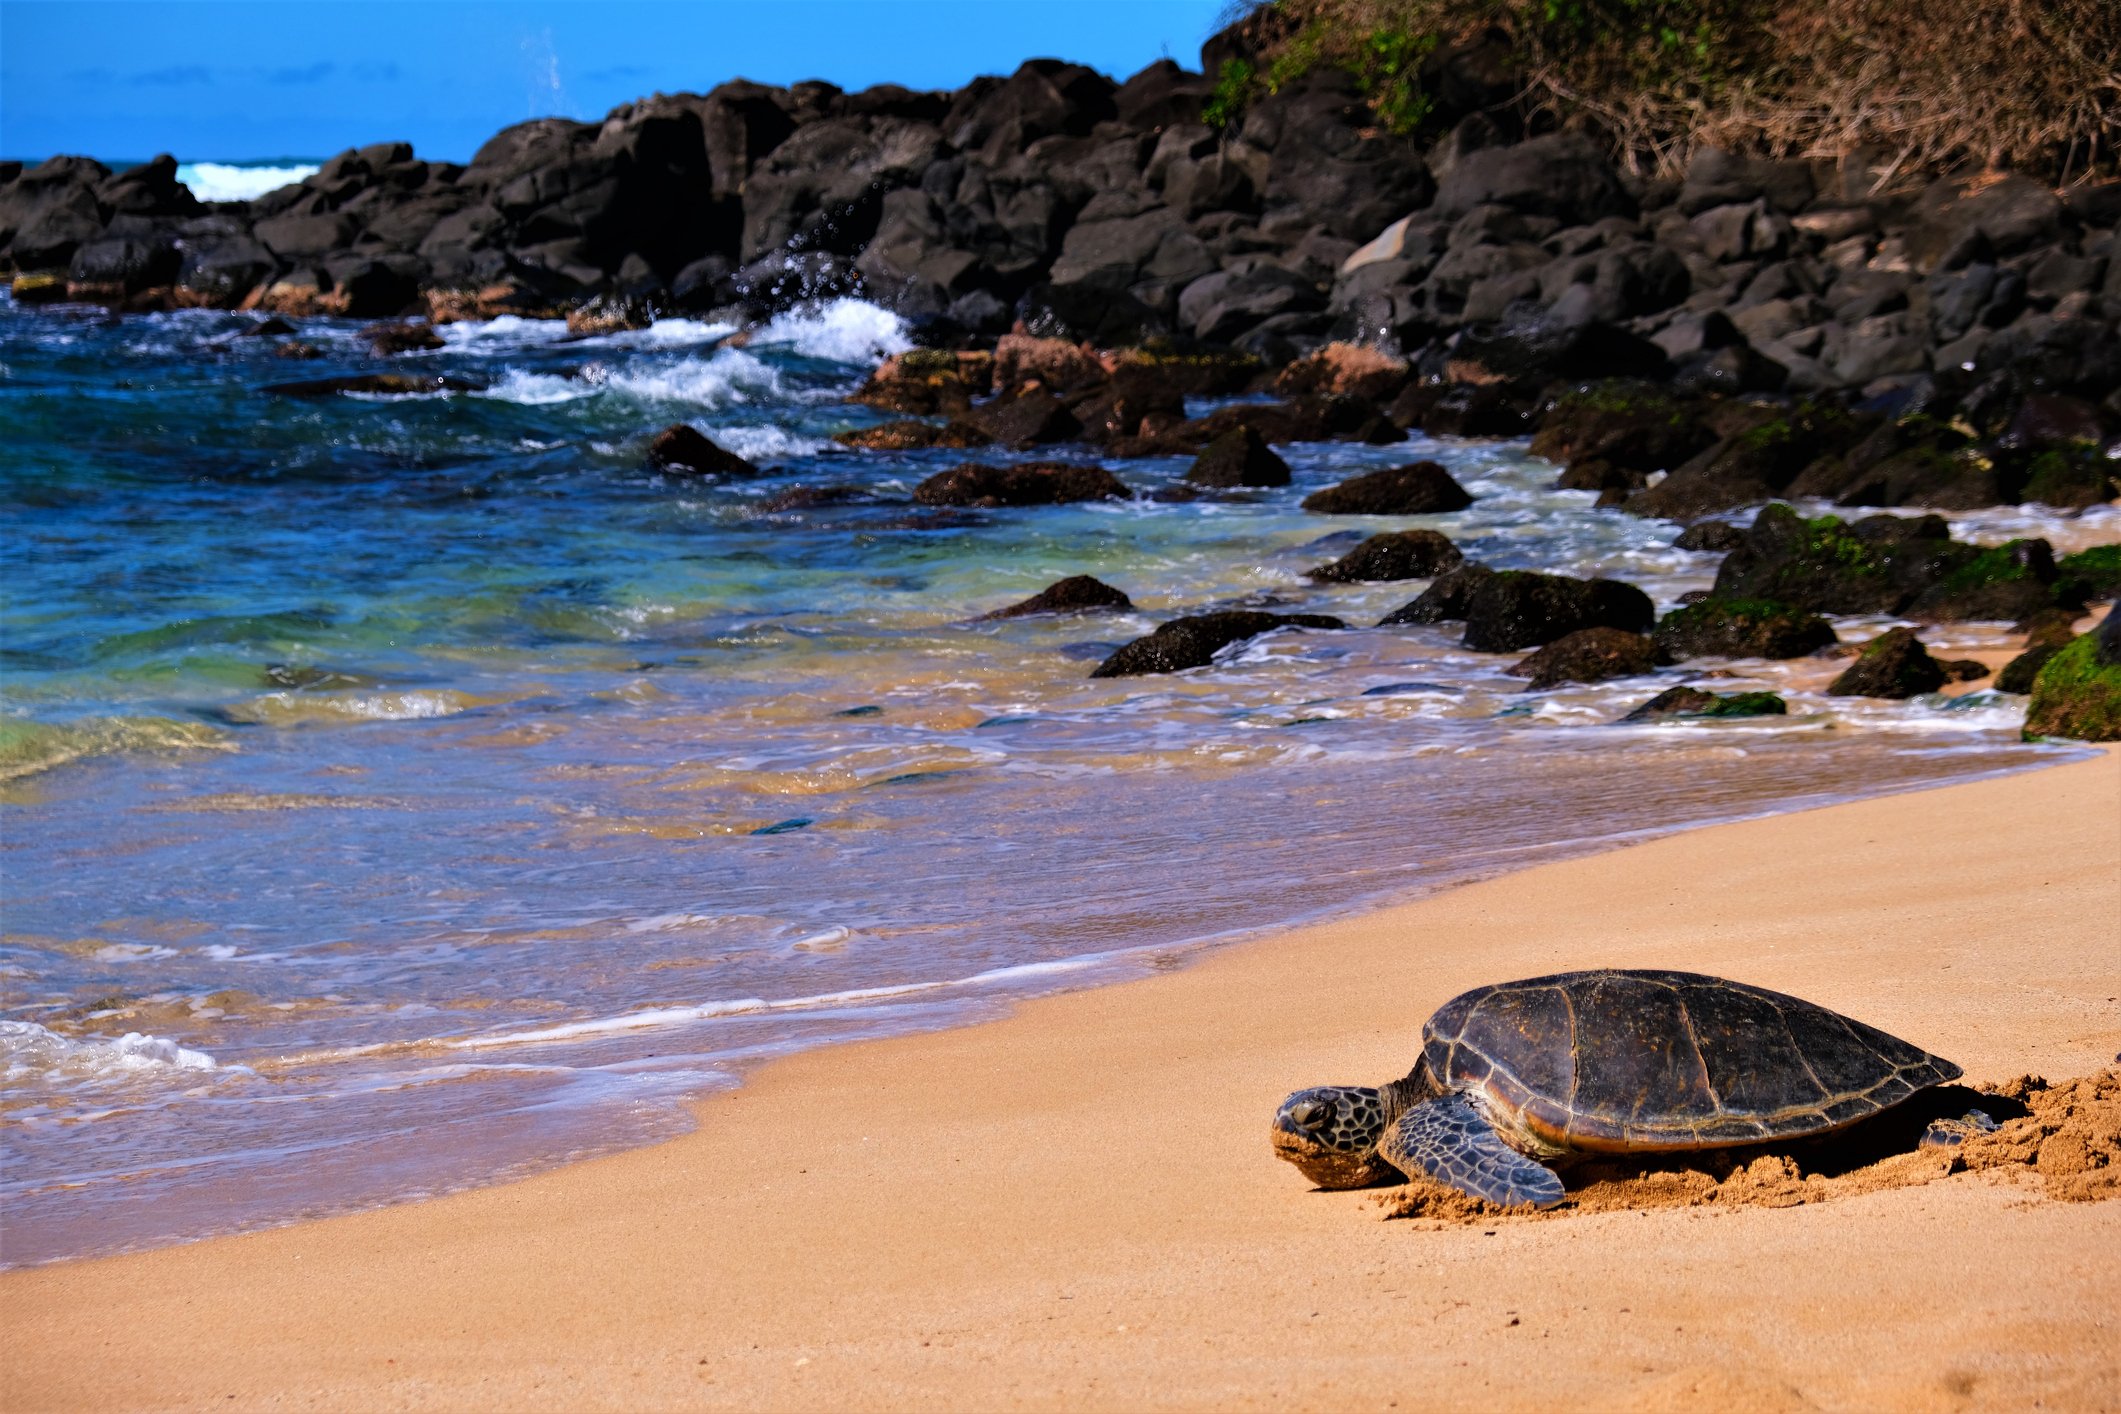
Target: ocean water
404	793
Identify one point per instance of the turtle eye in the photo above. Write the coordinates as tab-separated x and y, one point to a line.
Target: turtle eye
1309	1114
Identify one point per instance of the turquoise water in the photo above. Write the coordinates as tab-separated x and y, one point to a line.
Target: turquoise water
403	793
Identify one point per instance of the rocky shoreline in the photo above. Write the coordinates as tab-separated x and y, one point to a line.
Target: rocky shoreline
1079	257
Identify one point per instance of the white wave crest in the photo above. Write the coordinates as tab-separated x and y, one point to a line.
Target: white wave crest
228	181
29	1052
727	376
761	443
841	330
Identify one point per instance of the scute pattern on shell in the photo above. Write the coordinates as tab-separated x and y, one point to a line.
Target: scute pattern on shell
1610	1061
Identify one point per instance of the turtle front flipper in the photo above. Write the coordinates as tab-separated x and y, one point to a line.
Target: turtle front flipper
1447	1140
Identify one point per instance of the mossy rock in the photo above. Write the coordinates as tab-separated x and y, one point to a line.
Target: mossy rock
1742	628
2067	478
1694	702
1889	565
2095	573
1633	425
2078	692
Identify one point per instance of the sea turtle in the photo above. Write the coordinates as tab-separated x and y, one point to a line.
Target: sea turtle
1520	1075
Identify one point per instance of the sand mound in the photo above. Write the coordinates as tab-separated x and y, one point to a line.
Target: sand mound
2066	1135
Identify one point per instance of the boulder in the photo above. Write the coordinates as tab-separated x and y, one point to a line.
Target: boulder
1895	664
1402	554
1888	565
1589	655
1742	628
1194	641
2078	692
1445	601
1634	425
1563	175
1419	488
1057	363
1516	609
683	448
1024	419
1077	594
1025	484
2091	574
1239	457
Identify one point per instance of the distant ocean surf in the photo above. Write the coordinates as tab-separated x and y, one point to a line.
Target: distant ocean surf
241	181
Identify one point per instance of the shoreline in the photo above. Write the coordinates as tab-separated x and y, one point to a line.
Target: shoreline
1073	1205
987	995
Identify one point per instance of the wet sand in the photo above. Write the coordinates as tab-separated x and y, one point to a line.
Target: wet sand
1075	1206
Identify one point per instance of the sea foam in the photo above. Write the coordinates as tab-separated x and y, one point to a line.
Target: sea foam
29	1052
228	181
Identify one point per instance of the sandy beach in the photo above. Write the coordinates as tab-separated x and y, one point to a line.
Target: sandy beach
1075	1206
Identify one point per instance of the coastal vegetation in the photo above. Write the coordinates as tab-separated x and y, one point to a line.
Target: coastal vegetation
2031	84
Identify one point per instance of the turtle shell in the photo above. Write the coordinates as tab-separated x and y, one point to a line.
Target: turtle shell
1612	1061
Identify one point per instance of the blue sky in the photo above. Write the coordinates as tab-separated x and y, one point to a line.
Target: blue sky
216	80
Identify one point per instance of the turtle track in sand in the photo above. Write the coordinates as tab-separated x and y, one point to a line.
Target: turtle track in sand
2066	1134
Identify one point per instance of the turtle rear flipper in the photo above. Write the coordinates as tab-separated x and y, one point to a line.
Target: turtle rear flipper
1447	1140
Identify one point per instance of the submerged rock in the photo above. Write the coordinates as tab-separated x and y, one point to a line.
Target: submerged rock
1077	594
381	385
2078	692
1194	641
1589	655
1419	488
681	447
1893	665
1514	609
386	340
1400	554
1239	457
1027	484
1694	702
1742	628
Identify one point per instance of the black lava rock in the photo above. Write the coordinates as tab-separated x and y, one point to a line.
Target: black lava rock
1027	484
681	447
1515	609
1590	655
1742	628
1419	488
1239	457
1894	664
1445	601
1401	554
1077	594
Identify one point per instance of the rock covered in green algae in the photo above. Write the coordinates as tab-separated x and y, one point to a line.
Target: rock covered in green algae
2078	693
1695	702
1890	565
1742	628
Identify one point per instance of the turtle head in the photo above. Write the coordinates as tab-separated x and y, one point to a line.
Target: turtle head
1331	1133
